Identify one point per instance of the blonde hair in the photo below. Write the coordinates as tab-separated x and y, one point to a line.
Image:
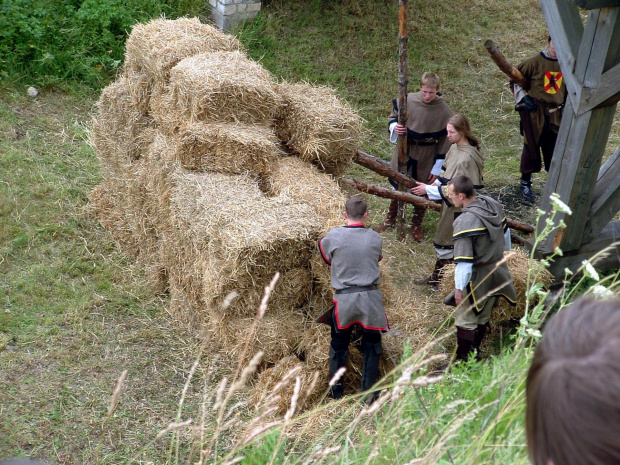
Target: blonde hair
430	80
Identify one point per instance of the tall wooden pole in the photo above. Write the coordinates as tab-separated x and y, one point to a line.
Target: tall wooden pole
402	108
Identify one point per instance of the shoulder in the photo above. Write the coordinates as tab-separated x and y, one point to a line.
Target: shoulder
467	224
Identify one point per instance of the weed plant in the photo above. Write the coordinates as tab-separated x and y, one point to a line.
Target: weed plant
44	42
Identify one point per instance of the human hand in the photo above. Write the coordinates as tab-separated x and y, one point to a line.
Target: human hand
419	189
527	103
458	296
432	178
400	129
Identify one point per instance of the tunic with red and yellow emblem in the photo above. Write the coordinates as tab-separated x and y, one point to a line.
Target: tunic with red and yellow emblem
546	87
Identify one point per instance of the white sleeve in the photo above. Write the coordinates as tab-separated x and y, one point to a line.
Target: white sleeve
507	240
433	191
393	136
462	275
518	92
436	171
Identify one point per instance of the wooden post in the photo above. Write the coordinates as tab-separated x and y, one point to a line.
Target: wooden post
402	108
590	60
504	65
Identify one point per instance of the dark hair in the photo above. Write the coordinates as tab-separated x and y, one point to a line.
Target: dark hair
573	387
355	208
461	184
461	125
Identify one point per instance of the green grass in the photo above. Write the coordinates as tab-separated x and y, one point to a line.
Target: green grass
75	311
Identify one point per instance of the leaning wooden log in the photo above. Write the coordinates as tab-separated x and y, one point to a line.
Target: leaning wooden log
500	60
417	200
392	194
383	168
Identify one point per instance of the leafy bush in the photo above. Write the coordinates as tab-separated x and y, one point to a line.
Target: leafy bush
75	40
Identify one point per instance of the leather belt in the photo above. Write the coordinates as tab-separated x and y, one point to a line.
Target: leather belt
351	290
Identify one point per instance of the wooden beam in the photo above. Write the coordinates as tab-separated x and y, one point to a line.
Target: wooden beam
566	30
416	200
604	93
383	168
574	170
608	238
595	4
596	53
606	201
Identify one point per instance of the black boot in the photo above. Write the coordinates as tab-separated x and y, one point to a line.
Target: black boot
337	359
527	191
390	221
464	343
481	332
435	278
370	369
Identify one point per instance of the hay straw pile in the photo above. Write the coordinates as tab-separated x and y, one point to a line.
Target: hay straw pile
215	178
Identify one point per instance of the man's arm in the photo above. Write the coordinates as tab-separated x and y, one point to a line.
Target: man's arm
462	276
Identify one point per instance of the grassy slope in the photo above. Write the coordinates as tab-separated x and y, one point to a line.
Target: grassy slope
74	313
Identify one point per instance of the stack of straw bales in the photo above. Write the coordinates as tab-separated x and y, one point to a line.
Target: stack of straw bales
216	177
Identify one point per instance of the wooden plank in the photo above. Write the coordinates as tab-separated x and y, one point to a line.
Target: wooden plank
606	201
599	47
586	47
585	152
608	88
595	4
574	169
566	30
608	238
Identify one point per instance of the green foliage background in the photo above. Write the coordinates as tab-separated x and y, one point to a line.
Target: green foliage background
50	41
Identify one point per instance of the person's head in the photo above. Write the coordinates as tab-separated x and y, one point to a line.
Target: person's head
459	131
551	49
460	191
573	387
356	209
429	86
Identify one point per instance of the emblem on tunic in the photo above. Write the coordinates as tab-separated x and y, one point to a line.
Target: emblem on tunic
553	81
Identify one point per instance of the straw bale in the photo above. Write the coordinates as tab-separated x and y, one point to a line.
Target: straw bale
262	392
277	334
107	204
230	214
305	184
319	125
160	44
216	87
519	265
233	148
117	129
141	87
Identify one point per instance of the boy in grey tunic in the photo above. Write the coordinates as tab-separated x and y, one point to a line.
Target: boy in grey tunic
353	252
480	238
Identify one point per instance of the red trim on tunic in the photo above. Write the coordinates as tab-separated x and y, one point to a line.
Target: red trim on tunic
323	253
384	328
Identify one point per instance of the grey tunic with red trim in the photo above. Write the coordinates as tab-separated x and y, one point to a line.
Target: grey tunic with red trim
479	239
354	253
